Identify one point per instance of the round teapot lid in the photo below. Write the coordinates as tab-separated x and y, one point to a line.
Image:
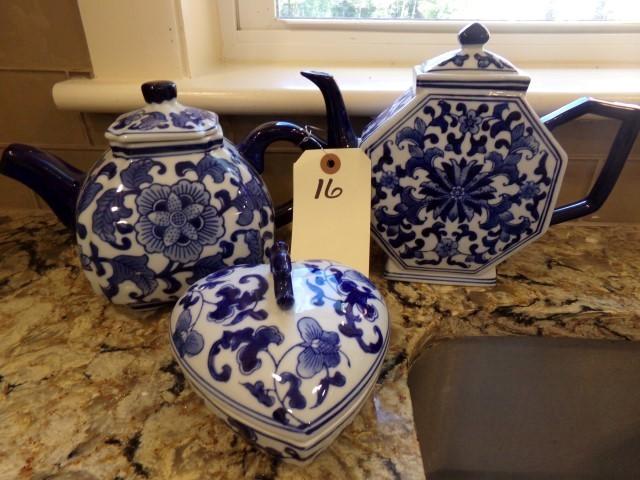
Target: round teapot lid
163	119
471	62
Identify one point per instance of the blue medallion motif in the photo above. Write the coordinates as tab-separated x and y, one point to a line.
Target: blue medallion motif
134	210
459	190
458	183
177	220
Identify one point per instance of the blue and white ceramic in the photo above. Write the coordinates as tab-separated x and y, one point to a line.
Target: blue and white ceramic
464	173
170	202
288	379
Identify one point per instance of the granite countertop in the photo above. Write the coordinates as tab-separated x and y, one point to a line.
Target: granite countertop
89	390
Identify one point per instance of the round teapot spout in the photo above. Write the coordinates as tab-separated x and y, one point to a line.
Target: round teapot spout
57	182
340	131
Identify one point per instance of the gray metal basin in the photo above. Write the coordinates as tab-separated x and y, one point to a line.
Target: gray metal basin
528	408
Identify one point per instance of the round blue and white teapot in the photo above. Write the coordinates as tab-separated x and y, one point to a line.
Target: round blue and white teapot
171	201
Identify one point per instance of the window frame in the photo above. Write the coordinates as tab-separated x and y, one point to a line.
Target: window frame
222	67
251	33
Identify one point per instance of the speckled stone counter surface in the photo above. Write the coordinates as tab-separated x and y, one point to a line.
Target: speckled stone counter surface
89	390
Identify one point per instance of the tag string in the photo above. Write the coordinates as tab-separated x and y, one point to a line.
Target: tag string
308	130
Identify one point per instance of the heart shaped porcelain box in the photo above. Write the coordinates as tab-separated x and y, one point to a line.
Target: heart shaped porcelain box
286	354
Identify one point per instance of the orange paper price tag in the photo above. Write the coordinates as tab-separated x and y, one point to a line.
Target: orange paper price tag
332	207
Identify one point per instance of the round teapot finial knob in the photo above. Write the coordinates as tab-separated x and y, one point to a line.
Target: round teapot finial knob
473	34
159	91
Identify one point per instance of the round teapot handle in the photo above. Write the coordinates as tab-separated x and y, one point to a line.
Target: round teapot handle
253	148
629	115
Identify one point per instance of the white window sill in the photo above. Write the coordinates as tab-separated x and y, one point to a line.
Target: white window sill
273	90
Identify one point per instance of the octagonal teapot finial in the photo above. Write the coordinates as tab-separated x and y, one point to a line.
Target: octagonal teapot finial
473	34
470	61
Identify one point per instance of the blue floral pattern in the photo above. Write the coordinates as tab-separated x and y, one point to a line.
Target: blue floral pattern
142	120
145	121
191	118
459	190
318	353
186	340
321	348
479	61
248	340
177	220
457	184
173	222
353	297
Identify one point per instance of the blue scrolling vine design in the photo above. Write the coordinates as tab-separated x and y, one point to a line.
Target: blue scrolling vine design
463	183
186	119
314	354
176	220
350	293
483	61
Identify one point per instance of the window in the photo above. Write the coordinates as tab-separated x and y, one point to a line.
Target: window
486	10
225	53
585	33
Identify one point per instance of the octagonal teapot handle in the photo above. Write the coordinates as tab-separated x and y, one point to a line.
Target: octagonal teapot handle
629	116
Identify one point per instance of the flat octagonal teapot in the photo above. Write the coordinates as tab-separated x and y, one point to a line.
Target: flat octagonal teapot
171	201
464	173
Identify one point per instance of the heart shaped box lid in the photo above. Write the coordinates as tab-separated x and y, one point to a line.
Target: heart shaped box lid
289	379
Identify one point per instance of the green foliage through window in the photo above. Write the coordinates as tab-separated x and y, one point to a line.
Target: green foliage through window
499	10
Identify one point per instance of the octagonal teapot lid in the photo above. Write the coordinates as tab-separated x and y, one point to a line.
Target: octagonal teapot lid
163	120
471	66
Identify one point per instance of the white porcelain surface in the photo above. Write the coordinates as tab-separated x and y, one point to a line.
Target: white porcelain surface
232	232
288	380
464	172
170	202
